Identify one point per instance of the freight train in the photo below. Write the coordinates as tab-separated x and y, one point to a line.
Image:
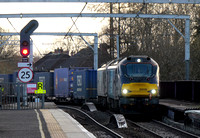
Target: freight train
123	84
129	84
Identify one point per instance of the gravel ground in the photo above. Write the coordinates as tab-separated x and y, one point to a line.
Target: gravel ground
104	118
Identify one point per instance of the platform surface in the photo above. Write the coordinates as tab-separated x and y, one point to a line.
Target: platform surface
179	105
40	123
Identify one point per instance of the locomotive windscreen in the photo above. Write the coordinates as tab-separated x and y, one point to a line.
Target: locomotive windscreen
139	70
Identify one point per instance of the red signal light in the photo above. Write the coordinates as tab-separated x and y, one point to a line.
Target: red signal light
25	52
25	48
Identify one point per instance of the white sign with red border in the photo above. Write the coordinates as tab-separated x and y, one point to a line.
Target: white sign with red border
31	87
25	75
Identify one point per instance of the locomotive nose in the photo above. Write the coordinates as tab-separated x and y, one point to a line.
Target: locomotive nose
139	89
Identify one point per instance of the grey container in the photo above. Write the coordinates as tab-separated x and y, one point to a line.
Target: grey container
48	82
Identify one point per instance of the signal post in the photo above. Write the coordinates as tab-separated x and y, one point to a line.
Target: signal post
25	74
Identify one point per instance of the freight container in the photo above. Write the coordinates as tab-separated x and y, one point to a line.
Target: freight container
17	84
61	83
5	78
15	78
6	84
48	82
85	85
71	77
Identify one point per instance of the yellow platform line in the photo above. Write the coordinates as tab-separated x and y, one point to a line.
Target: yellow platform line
53	127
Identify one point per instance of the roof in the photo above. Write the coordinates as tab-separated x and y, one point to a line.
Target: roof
84	58
50	61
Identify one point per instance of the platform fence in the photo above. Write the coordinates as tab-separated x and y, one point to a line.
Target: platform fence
14	96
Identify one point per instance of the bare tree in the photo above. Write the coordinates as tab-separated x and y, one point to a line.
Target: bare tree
9	55
156	37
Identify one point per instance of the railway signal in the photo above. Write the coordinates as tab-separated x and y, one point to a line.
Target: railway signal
25	46
25	38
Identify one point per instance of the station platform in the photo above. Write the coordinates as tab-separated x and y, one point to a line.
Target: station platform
176	109
181	114
40	123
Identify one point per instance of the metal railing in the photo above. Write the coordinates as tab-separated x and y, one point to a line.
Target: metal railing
14	96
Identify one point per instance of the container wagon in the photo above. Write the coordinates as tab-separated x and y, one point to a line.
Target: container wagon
63	83
48	83
85	85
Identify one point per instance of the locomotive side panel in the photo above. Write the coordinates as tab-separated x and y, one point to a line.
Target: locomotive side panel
111	76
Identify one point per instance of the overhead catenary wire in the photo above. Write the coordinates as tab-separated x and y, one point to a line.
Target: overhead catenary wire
13	26
76	20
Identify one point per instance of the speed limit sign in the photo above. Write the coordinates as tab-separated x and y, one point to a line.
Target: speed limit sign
25	75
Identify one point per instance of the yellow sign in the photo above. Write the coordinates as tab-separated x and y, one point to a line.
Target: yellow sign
40	88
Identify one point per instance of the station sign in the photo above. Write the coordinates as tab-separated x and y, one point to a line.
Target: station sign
25	75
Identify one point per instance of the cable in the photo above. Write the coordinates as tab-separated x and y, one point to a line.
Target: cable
75	20
75	24
13	26
36	47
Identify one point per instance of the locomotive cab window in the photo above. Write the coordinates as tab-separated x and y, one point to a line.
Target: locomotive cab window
139	70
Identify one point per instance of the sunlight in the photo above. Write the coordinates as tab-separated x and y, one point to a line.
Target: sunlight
83	25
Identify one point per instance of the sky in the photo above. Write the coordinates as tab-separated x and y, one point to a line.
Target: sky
43	43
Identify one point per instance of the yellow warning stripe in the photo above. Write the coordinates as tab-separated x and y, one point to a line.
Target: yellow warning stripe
53	127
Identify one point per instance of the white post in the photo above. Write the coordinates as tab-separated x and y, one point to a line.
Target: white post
187	49
117	46
31	54
95	52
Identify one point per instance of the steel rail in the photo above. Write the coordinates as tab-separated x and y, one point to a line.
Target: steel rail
182	131
158	122
144	128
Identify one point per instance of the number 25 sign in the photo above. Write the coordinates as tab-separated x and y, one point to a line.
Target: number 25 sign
25	75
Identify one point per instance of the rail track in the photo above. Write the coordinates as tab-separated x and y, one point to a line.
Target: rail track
163	130
97	122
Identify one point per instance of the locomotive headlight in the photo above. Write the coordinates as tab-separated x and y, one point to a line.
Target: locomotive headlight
153	91
139	60
125	91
